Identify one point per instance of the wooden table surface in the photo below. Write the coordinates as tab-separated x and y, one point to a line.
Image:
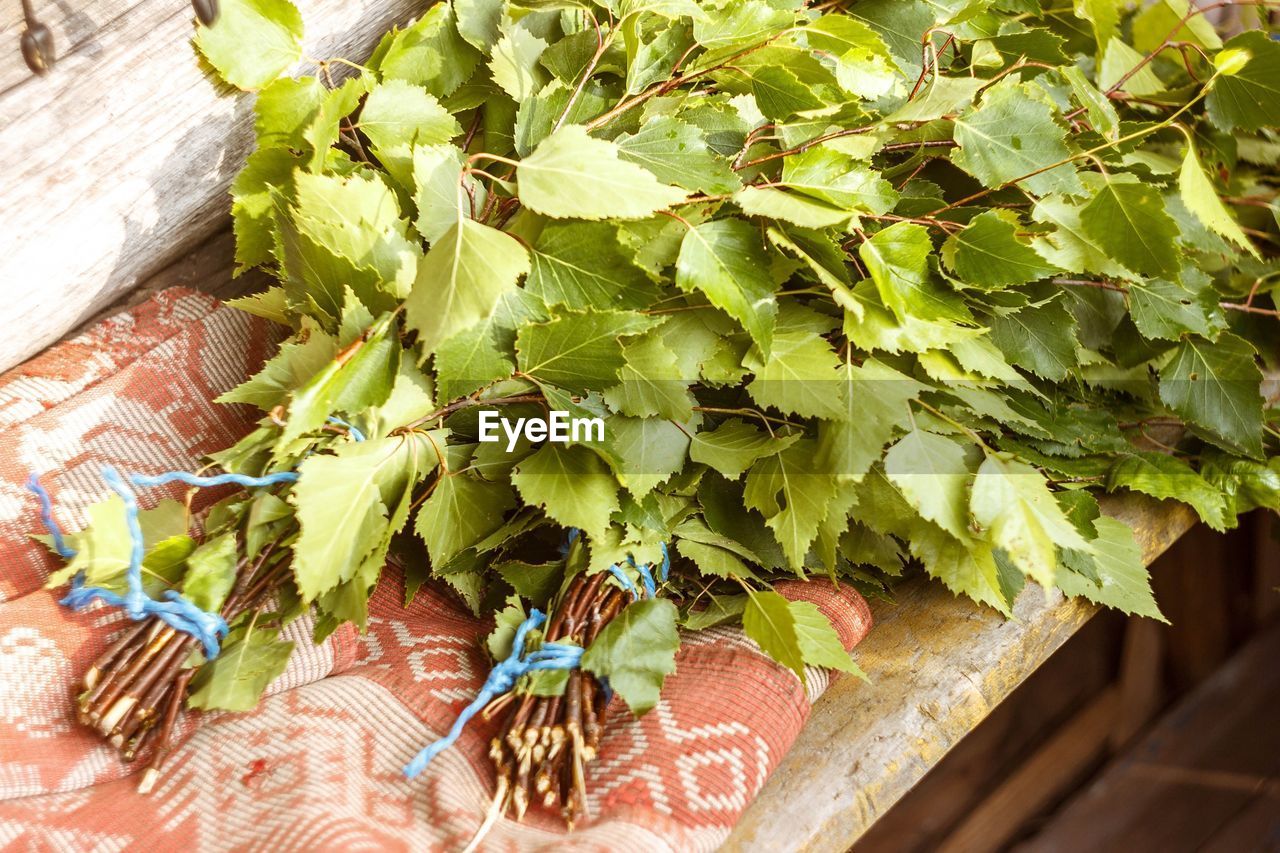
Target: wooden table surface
938	665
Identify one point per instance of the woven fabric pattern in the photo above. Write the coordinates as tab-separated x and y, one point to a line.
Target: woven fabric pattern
317	765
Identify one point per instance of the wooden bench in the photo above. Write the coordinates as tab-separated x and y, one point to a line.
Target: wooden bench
116	171
938	665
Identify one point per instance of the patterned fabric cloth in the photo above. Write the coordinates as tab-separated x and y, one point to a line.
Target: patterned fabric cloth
318	764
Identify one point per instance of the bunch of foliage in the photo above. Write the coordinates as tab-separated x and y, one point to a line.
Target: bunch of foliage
856	288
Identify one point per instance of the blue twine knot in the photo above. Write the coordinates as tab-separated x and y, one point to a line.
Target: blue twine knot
355	433
646	571
175	610
502	678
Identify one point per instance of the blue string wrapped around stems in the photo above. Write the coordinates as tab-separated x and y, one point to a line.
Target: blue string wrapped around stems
502	678
175	610
563	656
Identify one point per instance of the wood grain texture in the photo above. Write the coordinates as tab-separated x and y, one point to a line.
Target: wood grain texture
1206	777
937	664
118	162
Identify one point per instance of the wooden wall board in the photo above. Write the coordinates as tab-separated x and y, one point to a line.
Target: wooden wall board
118	161
938	665
1207	775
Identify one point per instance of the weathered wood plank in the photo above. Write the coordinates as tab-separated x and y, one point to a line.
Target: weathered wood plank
117	163
1050	772
938	665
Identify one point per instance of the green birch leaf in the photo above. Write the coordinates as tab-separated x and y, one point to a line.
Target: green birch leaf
235	680
1068	246
1102	113
440	192
1012	501
1249	98
725	260
461	280
780	93
1103	15
573	175
284	109
1119	60
1214	386
790	207
1167	310
898	260
636	651
967	568
429	52
342	500
769	621
461	511
873	408
864	66
799	377
535	582
1170	19
819	643
323	130
346	233
1202	200
989	255
650	382
103	549
571	483
296	362
721	610
398	114
712	561
932	474
734	446
361	381
1011	135
1128	220
211	572
514	63
587	264
1166	477
1040	338
644	452
252	42
805	494
676	153
836	179
578	350
470	360
1113	575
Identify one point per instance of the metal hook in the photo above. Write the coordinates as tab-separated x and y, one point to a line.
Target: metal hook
206	11
37	42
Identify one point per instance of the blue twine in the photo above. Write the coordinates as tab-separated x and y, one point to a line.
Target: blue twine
569	539
217	480
502	678
356	434
646	577
60	545
625	581
665	572
175	610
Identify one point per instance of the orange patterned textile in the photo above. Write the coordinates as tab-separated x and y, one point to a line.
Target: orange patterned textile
318	764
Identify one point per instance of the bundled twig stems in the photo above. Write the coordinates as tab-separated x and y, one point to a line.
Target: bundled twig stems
133	692
542	749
